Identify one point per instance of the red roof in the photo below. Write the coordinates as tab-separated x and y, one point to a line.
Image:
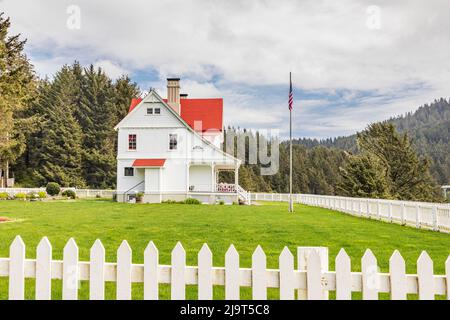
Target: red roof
134	103
207	112
149	162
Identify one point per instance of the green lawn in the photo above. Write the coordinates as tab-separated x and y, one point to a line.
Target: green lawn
269	225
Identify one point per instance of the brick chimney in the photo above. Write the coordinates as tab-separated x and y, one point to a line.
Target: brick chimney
173	94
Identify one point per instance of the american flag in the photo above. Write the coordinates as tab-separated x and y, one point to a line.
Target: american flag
291	96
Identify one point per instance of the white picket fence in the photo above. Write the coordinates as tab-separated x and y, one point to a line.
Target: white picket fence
312	278
81	193
434	216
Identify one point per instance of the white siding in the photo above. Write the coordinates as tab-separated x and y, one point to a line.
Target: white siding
125	183
152	177
201	178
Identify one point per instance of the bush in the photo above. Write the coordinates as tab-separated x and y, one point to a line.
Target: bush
20	196
31	195
69	193
4	195
42	194
139	196
221	202
192	201
53	188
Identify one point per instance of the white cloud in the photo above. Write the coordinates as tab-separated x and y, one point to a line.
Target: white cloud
218	46
110	68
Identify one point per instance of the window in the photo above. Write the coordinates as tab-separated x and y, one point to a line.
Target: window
152	111
129	171
131	142
173	141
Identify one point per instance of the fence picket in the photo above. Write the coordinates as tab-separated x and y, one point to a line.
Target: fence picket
447	275
205	288
124	258
97	271
151	261
232	274
286	265
314	276
425	277
370	279
17	269
70	271
44	270
343	276
397	272
259	283
178	285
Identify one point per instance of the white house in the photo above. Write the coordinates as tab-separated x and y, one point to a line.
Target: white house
169	149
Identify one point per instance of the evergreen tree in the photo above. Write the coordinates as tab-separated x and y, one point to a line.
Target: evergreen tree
17	87
364	177
97	117
54	152
408	175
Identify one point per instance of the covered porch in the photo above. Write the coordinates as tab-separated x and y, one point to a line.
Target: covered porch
206	185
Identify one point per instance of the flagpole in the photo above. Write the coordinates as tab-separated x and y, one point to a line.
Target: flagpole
291	205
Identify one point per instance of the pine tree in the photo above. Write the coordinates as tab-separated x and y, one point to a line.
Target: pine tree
408	174
97	117
17	87
55	151
364	177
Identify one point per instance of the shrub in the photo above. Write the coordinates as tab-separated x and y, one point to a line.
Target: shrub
4	195
192	201
139	196
42	194
32	195
221	202
20	196
69	193
53	188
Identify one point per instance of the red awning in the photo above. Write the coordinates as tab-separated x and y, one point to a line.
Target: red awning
149	162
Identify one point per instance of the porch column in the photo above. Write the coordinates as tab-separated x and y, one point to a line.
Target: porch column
236	177
213	185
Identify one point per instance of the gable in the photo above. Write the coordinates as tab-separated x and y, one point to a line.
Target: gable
138	117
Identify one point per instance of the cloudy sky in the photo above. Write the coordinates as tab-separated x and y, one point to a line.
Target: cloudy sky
353	61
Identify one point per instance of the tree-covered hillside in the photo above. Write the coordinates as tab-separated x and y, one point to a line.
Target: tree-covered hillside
429	129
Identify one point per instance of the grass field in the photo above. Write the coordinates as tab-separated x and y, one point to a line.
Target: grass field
269	225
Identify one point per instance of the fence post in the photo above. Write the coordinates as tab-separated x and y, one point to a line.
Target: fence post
390	211
302	263
368	208
403	213
378	210
435	219
417	216
360	207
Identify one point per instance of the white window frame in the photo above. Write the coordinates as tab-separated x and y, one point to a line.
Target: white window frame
125	170
176	139
135	143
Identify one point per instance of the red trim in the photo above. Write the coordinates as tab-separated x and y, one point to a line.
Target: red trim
149	162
